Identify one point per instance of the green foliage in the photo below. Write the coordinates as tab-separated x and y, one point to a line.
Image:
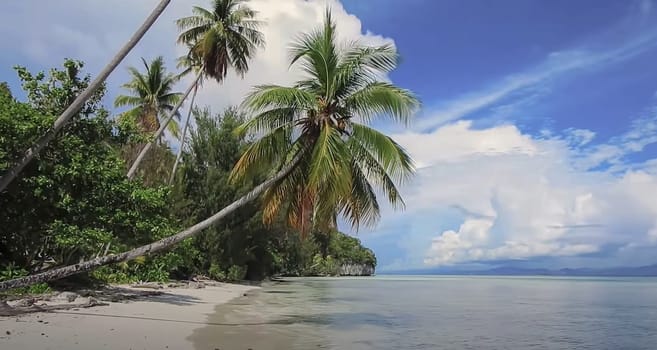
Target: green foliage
322	266
236	273
4	89
73	201
151	98
203	189
11	271
111	274
216	272
349	250
52	93
327	252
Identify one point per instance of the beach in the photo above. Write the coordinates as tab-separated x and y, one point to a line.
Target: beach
164	321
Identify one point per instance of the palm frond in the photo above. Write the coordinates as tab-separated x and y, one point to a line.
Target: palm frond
376	172
383	100
393	158
268	121
329	170
262	153
275	96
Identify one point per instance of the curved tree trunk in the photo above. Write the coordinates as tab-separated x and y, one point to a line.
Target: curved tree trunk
77	104
154	247
160	131
182	139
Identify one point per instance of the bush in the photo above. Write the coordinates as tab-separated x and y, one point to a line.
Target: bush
11	271
216	272
236	273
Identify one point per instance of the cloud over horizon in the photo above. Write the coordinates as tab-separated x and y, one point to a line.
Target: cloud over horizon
523	197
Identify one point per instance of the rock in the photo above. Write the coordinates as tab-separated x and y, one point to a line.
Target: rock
356	270
150	285
25	303
65	296
93	302
196	285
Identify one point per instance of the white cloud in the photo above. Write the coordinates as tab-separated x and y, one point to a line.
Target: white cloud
522	197
285	19
456	141
579	137
94	30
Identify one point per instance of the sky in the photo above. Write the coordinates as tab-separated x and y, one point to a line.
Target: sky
536	145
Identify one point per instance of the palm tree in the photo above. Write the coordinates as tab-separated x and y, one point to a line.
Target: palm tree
189	63
223	37
324	162
151	97
344	163
73	109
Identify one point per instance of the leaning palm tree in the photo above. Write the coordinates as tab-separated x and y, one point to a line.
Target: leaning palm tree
79	101
151	98
323	160
223	37
189	63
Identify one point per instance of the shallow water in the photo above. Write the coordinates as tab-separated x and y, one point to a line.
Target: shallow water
439	312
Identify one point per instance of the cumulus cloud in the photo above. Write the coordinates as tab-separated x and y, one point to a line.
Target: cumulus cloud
94	30
285	20
521	197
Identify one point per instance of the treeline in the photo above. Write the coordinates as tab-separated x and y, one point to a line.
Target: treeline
73	202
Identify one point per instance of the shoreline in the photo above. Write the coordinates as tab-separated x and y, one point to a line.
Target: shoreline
165	320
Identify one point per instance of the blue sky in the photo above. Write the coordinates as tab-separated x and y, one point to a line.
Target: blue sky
536	144
547	68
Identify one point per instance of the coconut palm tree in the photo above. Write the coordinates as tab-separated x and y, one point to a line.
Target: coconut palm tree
324	161
223	37
73	109
226	36
189	64
344	163
151	97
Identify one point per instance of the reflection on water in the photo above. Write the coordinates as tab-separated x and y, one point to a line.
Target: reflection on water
439	313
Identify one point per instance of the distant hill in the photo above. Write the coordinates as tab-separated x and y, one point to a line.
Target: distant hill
641	271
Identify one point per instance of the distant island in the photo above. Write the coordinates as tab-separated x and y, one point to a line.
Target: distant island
640	271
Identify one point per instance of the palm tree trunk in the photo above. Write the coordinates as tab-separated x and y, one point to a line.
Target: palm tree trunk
154	247
160	131
184	133
77	104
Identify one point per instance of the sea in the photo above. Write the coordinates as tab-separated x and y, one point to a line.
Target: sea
438	312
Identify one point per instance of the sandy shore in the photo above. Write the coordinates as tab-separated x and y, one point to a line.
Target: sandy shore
163	321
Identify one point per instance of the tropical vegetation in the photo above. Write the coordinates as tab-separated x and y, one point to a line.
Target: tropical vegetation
261	189
151	97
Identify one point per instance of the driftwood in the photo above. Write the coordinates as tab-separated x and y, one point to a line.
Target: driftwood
6	310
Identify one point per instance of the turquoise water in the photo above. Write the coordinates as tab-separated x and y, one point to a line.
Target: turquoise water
440	312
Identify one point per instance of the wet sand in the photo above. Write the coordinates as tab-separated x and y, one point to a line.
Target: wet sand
176	319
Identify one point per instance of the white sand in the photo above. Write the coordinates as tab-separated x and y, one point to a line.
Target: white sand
158	322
